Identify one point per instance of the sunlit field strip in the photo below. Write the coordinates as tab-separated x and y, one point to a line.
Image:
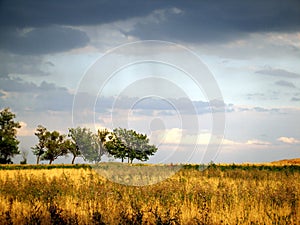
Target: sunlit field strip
213	196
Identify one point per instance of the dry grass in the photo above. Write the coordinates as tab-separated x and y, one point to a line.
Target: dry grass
295	161
212	196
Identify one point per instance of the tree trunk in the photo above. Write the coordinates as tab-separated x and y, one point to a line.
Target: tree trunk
122	159
38	159
128	160
73	160
50	162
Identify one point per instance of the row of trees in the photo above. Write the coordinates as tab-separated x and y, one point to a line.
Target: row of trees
79	142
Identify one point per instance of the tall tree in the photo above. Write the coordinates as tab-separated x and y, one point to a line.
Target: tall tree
116	148
71	146
86	142
102	137
129	144
40	148
54	146
8	139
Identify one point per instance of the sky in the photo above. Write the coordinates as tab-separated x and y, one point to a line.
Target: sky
205	80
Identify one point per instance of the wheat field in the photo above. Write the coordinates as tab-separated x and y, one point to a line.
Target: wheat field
217	195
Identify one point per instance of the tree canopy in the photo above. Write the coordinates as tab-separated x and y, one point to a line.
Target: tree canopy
89	145
40	148
120	143
8	139
129	144
54	146
51	145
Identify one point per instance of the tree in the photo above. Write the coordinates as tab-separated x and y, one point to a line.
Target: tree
72	148
129	144
87	144
116	148
101	138
55	146
8	139
39	149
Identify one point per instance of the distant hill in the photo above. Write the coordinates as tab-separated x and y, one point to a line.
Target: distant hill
287	162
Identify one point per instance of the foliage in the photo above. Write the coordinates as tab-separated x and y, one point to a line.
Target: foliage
72	148
129	144
55	146
51	145
212	196
40	148
102	138
87	144
8	139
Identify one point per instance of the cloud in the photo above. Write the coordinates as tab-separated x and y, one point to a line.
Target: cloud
2	94
23	95
20	64
189	21
177	136
44	40
205	22
24	130
278	73
38	14
167	106
257	142
239	108
284	83
288	140
9	84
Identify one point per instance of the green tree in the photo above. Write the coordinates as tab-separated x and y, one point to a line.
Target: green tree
55	146
129	144
8	139
116	148
87	144
40	148
71	146
101	139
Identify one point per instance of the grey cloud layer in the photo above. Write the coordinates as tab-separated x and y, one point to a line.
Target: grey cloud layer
284	83
232	15
188	21
42	40
278	73
23	96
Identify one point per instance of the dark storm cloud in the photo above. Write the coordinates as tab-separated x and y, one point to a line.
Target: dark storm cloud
35	13
29	96
189	21
221	21
42	40
284	83
278	73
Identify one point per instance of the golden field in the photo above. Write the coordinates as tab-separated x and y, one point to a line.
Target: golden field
226	194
